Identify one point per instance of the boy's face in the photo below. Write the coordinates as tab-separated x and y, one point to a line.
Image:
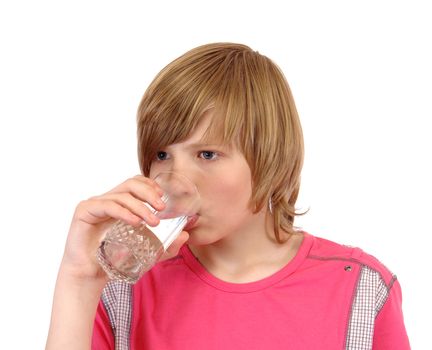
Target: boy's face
223	179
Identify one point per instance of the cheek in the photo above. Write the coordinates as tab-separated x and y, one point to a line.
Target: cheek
232	193
156	168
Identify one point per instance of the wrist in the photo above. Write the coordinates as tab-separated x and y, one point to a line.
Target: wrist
82	273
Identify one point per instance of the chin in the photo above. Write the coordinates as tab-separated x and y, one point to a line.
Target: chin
197	239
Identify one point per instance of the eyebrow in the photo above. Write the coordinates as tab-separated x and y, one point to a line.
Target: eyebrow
204	145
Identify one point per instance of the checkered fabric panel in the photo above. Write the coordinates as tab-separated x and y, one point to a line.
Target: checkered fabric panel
370	297
381	296
117	301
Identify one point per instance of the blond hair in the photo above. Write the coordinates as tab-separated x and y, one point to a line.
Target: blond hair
255	110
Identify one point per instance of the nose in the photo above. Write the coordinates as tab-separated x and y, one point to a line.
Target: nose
188	168
181	194
180	162
181	165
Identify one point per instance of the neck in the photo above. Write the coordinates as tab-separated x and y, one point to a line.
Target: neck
249	255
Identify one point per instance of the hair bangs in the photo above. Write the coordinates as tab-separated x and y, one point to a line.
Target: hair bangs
252	109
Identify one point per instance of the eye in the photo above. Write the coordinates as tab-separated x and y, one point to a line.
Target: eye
208	155
161	155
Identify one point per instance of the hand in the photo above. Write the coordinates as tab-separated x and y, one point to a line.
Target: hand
93	217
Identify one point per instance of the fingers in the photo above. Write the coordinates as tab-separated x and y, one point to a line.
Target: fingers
128	202
140	187
97	210
137	207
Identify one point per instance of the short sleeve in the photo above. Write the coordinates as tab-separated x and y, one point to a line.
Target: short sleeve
390	332
103	338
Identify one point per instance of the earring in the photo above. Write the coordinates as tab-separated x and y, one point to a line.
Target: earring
270	205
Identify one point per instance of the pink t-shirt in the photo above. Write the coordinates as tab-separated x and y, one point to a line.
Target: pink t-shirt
328	297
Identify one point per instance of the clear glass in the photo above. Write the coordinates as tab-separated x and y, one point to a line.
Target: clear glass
127	252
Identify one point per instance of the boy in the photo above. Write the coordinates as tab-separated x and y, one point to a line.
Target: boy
224	116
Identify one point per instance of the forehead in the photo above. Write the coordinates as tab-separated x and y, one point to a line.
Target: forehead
206	131
203	128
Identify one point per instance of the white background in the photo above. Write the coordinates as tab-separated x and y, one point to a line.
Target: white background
72	75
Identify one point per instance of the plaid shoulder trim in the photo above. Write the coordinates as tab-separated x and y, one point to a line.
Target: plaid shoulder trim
117	299
370	296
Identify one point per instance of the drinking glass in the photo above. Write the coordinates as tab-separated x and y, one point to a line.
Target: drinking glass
127	252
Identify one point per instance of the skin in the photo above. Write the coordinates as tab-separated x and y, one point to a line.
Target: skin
80	279
228	238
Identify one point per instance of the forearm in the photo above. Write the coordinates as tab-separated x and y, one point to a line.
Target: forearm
81	279
74	308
